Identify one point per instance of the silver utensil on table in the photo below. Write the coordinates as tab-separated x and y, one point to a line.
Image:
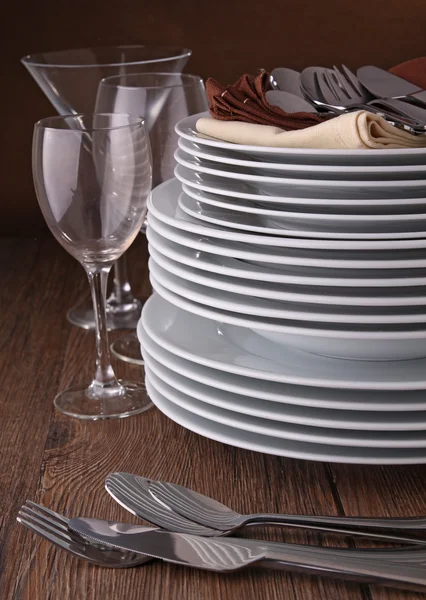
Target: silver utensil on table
322	87
54	528
180	509
232	554
140	503
381	83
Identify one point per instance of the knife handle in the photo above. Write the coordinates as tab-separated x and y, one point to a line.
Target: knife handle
361	569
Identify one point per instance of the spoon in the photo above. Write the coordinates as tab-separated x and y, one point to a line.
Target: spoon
289	102
211	513
286	80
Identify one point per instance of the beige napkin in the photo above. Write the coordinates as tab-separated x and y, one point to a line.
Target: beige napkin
356	130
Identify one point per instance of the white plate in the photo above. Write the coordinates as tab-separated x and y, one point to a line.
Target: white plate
241	190
295	276
332	171
284	185
276	447
278	257
324	407
239	350
397	343
162	204
186	129
375	227
259	206
287	293
245	305
289	431
362	342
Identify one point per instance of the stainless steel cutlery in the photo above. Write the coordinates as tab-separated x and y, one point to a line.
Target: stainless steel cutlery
383	84
196	523
234	553
181	509
54	528
340	90
337	92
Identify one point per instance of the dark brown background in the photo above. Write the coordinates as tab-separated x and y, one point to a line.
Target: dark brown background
228	37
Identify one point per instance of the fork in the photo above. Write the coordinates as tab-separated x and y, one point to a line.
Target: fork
322	87
350	85
54	528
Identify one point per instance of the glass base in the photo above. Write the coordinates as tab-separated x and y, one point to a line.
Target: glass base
114	403
119	316
128	349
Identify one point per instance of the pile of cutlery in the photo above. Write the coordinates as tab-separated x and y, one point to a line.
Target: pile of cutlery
193	526
339	90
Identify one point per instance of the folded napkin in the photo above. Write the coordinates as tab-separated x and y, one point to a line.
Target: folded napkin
245	101
356	130
413	70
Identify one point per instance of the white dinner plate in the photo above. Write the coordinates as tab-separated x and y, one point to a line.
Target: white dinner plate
287	293
289	448
324	407
375	227
239	350
277	257
186	128
336	171
245	305
337	340
244	191
289	431
162	204
284	185
264	207
380	283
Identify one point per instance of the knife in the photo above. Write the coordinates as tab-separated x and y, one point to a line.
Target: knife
383	84
231	554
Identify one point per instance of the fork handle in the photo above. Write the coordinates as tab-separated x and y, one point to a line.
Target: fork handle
383	529
360	569
392	114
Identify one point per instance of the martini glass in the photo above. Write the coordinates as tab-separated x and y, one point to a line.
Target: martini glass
70	80
92	176
162	99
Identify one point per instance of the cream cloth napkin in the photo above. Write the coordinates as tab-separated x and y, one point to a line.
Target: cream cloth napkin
355	130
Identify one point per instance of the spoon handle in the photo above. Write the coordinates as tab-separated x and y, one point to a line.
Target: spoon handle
385	529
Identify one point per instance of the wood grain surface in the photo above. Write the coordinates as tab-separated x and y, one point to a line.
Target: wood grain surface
61	462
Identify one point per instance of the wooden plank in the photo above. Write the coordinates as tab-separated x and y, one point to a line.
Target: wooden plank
82	456
32	329
386	491
63	462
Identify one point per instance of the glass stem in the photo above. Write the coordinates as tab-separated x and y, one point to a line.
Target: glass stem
105	377
121	292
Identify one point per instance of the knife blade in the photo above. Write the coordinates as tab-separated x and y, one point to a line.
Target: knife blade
230	554
383	84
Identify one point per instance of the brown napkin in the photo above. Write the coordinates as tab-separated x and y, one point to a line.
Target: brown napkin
245	101
413	70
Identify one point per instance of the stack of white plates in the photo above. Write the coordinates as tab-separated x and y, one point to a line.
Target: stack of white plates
270	267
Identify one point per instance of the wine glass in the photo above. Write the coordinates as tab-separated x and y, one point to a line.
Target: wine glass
92	176
70	80
162	99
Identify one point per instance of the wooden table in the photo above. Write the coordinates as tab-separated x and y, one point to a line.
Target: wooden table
62	462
